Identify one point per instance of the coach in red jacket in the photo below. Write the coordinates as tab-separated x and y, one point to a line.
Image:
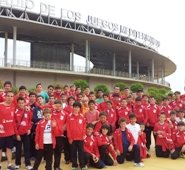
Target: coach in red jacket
124	145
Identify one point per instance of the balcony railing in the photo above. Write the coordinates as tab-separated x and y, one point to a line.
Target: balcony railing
79	69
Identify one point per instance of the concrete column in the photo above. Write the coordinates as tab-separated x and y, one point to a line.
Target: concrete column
72	58
130	64
137	69
163	74
14	44
86	55
89	56
6	49
149	78
153	71
114	64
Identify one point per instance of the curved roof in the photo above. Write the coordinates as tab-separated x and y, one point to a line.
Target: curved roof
33	31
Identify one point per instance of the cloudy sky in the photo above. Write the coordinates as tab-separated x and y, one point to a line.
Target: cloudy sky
162	19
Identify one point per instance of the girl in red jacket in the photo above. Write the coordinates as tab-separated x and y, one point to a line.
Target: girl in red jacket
91	152
106	148
45	140
179	141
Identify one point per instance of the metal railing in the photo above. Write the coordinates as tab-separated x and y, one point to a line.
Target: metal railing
76	69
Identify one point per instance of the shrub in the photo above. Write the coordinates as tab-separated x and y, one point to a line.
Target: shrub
102	87
81	83
136	86
121	85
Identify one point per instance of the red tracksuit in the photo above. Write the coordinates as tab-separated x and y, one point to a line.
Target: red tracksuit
153	112
166	109
111	117
7	123
68	109
123	112
102	106
179	140
98	127
166	141
23	121
91	145
104	140
2	96
118	139
140	113
76	127
39	137
60	117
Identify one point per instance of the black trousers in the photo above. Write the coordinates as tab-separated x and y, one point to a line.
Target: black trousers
105	156
160	153
77	148
47	153
33	151
67	147
148	132
57	151
176	153
89	159
25	141
129	156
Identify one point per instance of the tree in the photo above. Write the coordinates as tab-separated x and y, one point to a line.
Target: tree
81	83
121	85
102	87
136	86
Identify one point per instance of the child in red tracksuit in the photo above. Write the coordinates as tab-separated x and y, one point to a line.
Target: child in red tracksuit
76	126
45	140
106	148
91	152
142	142
164	142
179	142
23	117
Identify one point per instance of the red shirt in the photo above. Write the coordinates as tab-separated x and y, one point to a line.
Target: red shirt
23	121
140	113
91	146
92	116
142	144
7	123
111	117
76	127
2	96
123	112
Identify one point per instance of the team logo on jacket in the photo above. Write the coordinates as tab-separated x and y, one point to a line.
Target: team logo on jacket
80	121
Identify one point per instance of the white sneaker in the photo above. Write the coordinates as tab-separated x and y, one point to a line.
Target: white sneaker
29	167
140	164
17	166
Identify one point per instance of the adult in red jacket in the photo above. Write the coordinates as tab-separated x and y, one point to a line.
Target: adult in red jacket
23	118
179	141
7	127
45	141
124	145
164	142
76	126
7	87
60	116
91	152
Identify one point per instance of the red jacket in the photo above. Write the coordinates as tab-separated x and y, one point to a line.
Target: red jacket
179	138
7	122
111	117
23	120
98	127
91	145
166	109
76	127
39	137
118	139
153	112
60	117
68	109
102	106
140	113
165	141
105	140
2	96
123	112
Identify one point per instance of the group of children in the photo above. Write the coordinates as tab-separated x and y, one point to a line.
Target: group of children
92	130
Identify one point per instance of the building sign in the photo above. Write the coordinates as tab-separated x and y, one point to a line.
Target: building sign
73	16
